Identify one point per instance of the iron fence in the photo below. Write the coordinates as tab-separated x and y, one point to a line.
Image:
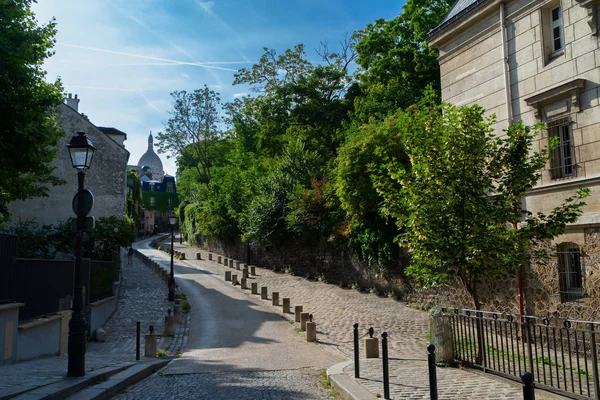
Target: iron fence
561	353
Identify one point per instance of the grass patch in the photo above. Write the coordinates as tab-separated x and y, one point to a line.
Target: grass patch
185	306
100	379
428	337
326	383
178	353
161	354
298	330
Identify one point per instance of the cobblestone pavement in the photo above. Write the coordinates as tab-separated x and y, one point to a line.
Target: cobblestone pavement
143	298
276	385
409	379
336	309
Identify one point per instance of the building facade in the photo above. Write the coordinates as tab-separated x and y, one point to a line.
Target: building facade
106	178
538	61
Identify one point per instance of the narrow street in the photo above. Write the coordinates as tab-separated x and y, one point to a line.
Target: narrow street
237	347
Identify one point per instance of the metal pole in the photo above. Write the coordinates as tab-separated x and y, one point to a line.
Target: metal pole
528	387
137	340
172	276
529	344
433	393
356	354
386	370
594	362
78	323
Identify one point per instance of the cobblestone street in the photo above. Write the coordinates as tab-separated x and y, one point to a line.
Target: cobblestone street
267	385
336	309
143	298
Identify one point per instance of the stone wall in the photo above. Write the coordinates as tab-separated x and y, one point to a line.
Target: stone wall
541	286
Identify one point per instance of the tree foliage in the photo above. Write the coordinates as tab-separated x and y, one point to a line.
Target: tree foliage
27	105
396	63
192	132
463	192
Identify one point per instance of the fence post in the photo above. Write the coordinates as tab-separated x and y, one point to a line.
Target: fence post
432	372
594	361
529	344
137	340
386	370
356	354
528	387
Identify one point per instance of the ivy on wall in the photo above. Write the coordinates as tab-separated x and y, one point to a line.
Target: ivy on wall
161	201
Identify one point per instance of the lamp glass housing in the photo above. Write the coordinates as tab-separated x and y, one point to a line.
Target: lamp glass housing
81	149
173	220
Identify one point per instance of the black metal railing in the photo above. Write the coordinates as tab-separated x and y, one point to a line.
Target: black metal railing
561	353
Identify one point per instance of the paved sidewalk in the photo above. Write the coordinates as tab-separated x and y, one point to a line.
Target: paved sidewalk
336	309
142	298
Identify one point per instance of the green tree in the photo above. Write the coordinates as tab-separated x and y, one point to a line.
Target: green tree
27	104
396	63
464	186
361	171
192	132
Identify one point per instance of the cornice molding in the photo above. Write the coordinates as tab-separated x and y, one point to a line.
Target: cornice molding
571	89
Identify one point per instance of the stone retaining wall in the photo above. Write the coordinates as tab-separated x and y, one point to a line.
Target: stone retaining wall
540	280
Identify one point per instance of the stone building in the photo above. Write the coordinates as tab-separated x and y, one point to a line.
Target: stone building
159	191
106	178
538	61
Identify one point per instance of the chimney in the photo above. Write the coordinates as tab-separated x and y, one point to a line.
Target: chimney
73	102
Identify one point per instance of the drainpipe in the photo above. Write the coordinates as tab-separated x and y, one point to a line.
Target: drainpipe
505	65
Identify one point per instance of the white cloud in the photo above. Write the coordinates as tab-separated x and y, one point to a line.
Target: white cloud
236	95
186	76
207	6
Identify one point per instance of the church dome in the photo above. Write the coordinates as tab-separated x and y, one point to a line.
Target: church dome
151	160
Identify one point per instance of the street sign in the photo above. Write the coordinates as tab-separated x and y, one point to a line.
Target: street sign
88	202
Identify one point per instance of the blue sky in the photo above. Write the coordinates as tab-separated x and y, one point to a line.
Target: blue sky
124	58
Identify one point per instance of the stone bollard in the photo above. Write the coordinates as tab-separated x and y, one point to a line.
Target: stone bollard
177	312
100	335
303	320
238	265
254	288
231	264
253	270
263	293
234	280
275	298
151	346
245	272
218	259
311	329
286	305
209	256
371	345
244	284
182	255
169	324
227	276
198	256
178	298
297	311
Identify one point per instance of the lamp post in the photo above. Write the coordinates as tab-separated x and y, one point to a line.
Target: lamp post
81	151
172	222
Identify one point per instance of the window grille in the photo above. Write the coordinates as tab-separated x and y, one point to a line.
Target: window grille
570	272
151	201
563	157
170	202
556	29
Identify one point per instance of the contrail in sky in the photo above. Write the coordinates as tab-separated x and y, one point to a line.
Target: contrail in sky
203	65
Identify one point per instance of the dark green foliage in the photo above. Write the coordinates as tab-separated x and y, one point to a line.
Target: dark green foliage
397	64
134	198
109	234
27	104
101	281
33	240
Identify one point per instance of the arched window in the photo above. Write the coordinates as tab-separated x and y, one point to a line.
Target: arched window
569	272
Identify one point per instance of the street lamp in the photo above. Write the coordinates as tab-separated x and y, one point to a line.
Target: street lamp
172	222
81	151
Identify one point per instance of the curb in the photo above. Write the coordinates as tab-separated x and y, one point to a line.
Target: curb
348	387
120	381
68	386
